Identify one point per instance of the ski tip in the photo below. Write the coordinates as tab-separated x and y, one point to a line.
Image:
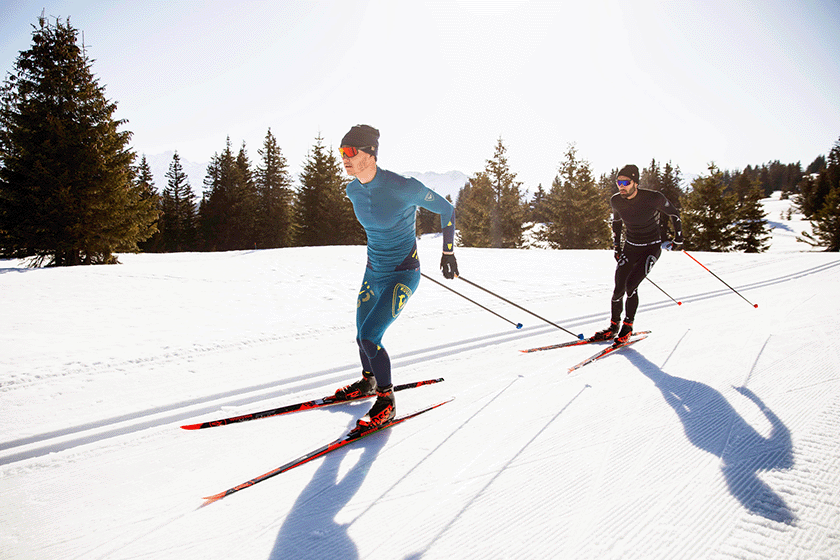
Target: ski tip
191	426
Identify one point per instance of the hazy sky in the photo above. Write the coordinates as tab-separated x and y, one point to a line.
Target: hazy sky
734	82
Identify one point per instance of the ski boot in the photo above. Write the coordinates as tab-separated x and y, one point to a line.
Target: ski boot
364	387
606	334
383	411
625	332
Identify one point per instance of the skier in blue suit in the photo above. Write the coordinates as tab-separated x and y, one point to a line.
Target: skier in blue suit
386	204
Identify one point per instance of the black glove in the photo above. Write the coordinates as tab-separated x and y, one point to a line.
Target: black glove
449	266
617	252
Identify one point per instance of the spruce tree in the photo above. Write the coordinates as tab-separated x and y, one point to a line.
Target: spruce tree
244	205
178	210
577	212
274	197
145	183
324	214
217	221
507	213
823	201
475	202
709	214
68	193
752	231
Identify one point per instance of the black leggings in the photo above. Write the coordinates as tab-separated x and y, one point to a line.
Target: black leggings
633	265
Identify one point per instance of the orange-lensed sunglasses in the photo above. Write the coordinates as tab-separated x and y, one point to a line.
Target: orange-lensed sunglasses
351	151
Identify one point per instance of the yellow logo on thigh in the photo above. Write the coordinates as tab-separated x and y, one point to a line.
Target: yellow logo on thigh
401	295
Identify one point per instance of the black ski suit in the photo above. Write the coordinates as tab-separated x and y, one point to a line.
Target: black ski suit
639	216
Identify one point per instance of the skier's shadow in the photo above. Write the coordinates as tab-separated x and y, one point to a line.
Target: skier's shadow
713	425
310	531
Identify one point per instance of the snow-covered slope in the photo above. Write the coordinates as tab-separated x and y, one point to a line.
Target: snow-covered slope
716	437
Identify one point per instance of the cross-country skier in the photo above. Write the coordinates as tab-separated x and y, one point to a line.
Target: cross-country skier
637	211
386	204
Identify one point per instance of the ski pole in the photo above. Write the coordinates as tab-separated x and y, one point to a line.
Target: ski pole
724	283
517	325
578	336
663	291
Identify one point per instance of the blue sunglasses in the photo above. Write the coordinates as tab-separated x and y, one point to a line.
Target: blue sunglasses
623	182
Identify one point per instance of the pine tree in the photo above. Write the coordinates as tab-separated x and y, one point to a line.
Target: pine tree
475	201
216	210
577	211
68	193
244	204
823	200
507	213
145	183
491	212
709	214
324	214
178	210
274	192
752	231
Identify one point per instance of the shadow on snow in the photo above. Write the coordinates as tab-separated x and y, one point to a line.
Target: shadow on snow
310	530
713	425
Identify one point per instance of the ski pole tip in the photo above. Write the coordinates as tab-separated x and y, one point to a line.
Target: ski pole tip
755	305
580	336
679	303
518	325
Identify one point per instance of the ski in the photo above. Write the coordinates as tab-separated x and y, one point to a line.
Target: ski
354	435
573	343
317	403
606	352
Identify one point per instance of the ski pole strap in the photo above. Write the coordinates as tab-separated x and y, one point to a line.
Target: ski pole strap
578	336
517	325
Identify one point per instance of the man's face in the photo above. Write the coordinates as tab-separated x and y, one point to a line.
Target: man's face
626	187
358	163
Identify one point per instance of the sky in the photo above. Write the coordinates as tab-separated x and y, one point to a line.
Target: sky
734	83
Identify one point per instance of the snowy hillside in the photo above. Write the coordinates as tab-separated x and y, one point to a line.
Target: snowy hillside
714	438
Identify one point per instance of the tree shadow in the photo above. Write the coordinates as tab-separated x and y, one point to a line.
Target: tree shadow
713	425
310	530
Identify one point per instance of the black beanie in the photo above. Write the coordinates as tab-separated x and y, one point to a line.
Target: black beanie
364	137
631	171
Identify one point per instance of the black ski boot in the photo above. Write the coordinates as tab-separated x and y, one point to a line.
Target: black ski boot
383	410
364	387
625	332
606	334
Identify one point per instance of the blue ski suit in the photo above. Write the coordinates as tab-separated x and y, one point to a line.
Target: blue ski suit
386	207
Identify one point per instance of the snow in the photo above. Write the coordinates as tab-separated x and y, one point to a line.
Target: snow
716	437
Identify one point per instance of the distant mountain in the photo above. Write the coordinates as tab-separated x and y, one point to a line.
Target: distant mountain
442	183
159	164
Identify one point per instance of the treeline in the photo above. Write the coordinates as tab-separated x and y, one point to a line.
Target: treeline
253	206
721	210
71	193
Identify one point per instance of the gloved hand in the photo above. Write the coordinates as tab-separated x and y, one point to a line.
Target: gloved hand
678	243
449	266
617	252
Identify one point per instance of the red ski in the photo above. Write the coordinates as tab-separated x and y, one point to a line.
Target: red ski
354	435
317	403
606	352
573	343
